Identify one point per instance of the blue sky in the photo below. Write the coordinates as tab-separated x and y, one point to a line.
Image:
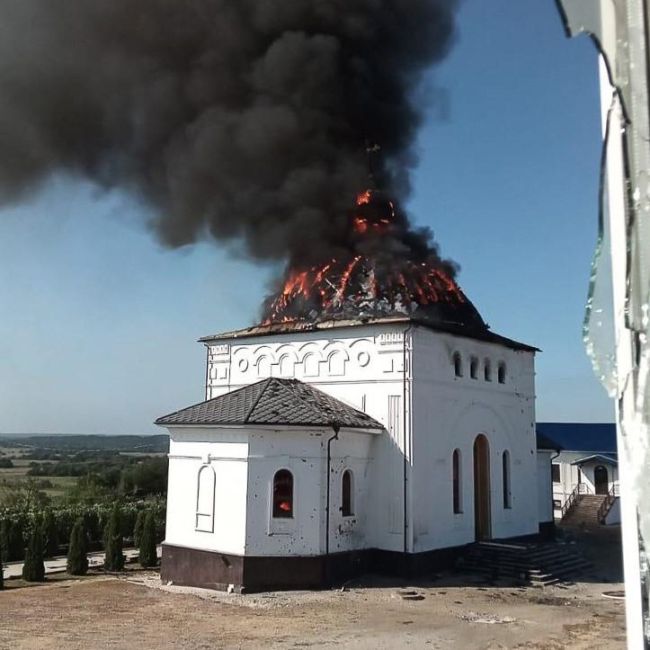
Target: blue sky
99	323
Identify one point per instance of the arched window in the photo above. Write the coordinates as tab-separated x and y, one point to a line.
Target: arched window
283	495
502	373
310	363
286	365
473	368
347	500
507	498
336	363
206	483
457	482
458	364
487	370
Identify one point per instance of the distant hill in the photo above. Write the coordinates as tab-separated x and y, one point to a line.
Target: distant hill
65	442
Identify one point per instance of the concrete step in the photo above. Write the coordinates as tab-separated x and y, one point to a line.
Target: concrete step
534	564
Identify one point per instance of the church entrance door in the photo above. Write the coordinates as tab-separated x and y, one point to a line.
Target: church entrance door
601	480
482	518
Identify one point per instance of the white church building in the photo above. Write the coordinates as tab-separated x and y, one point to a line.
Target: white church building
329	448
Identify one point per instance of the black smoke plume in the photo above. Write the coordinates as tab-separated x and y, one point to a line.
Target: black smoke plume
239	119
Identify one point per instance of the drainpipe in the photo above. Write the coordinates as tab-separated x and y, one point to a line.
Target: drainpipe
406	426
336	427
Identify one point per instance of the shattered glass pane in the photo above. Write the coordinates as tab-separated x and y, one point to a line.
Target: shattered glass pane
598	330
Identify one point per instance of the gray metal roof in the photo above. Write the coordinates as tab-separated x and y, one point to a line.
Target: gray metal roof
294	327
283	402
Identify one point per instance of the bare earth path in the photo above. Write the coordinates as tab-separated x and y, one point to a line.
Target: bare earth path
136	612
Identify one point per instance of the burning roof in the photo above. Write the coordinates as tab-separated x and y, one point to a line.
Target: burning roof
385	270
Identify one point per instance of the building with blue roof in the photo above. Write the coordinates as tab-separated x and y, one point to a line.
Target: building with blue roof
585	462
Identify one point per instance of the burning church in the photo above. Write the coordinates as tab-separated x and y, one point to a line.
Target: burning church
371	421
371	418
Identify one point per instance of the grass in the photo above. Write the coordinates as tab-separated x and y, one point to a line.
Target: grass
13	477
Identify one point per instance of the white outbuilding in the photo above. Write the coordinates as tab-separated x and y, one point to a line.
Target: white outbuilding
325	449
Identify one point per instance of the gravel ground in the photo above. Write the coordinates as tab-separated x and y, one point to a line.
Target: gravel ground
136	611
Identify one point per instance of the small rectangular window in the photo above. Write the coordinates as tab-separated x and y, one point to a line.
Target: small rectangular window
555	472
456	483
557	504
347	509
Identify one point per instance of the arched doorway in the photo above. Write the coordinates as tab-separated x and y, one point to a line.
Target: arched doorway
482	518
601	480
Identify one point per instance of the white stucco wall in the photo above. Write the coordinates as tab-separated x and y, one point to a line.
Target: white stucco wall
448	412
304	454
225	452
403	377
544	486
361	366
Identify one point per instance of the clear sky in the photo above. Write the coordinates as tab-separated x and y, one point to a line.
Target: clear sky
99	323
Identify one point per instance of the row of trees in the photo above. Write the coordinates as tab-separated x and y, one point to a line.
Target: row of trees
56	524
129	475
144	535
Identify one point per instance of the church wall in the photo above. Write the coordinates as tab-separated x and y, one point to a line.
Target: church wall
206	502
304	454
354	452
361	366
448	413
364	367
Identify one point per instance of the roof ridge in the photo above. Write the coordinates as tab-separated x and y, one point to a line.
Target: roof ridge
266	381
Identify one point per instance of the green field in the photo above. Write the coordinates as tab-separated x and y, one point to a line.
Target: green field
105	465
16	477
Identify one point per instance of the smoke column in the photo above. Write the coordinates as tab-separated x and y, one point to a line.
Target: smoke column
236	119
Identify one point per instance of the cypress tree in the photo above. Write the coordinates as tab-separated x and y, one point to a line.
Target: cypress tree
137	529
113	541
4	539
77	563
148	556
13	540
50	533
34	568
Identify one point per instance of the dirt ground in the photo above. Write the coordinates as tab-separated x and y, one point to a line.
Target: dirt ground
135	611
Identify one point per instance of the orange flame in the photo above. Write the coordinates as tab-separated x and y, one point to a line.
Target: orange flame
364	197
356	281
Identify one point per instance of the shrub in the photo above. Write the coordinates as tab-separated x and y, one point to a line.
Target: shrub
148	556
4	539
137	529
15	541
77	563
113	541
33	568
50	534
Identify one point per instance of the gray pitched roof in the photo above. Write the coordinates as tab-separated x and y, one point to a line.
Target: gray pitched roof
295	327
285	402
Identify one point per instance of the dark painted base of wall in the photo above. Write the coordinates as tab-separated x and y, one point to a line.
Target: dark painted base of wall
195	568
190	567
